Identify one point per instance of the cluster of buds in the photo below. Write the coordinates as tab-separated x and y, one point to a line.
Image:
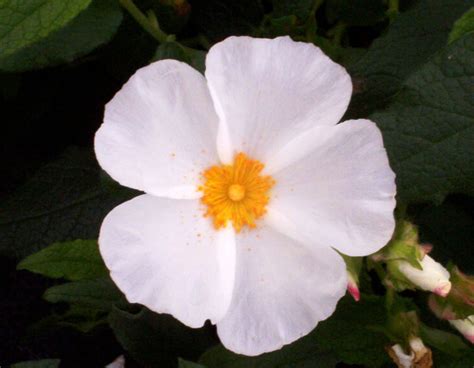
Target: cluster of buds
458	306
409	266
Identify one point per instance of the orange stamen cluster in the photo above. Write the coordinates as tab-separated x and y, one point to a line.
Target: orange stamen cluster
236	193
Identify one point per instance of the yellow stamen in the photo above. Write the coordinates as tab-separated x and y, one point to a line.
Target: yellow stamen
236	193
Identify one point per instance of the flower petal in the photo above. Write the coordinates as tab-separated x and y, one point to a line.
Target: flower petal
282	290
267	91
334	187
164	254
159	131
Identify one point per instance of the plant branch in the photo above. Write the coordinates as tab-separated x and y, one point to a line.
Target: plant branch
149	25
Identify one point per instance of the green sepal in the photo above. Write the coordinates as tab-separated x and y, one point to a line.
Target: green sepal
353	266
459	303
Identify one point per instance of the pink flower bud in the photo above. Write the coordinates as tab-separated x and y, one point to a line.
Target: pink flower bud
465	327
433	277
426	248
352	287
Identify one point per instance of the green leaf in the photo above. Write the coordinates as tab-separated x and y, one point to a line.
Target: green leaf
447	361
79	317
93	27
23	23
74	260
173	50
64	200
43	363
157	340
463	26
444	341
429	128
353	334
409	42
347	336
187	364
301	354
100	294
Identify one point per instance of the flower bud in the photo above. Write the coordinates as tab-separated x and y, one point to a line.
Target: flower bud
408	264
459	304
419	357
465	327
352	287
353	266
401	359
432	277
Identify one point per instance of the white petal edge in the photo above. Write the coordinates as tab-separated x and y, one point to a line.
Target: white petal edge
267	91
159	131
164	254
334	187
282	290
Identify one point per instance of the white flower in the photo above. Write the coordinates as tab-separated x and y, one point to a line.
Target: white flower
433	277
249	184
465	327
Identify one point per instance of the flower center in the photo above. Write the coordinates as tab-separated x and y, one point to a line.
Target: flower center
238	193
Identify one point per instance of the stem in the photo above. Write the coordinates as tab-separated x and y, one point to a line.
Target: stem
393	9
339	30
152	19
393	5
315	7
311	25
149	26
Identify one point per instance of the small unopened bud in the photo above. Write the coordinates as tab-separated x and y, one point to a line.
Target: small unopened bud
353	266
401	359
459	304
426	248
352	287
465	327
419	357
433	277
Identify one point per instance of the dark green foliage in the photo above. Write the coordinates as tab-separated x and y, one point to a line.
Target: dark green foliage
413	74
23	23
429	128
75	260
408	43
44	363
93	27
65	200
155	339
